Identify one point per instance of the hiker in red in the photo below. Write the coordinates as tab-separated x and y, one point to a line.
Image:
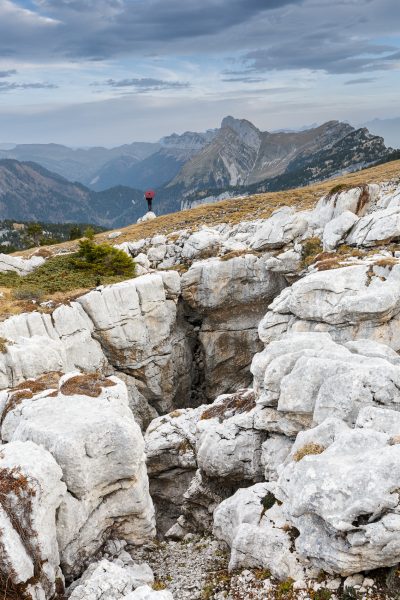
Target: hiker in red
149	195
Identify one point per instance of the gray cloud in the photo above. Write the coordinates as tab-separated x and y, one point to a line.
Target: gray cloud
244	79
144	84
7	86
9	73
97	29
275	35
360	80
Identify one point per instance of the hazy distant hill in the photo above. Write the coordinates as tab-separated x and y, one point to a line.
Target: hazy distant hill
389	129
156	169
31	193
77	164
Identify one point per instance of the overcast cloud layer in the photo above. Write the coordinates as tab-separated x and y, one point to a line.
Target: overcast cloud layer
86	72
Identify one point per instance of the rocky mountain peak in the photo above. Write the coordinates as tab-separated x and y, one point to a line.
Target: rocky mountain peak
247	132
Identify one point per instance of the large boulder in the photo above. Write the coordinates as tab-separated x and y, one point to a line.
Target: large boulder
19	265
31	492
66	335
347	514
137	326
357	200
310	374
284	226
259	535
201	244
88	428
336	230
360	301
382	226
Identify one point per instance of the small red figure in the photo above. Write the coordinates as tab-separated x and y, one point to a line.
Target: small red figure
149	195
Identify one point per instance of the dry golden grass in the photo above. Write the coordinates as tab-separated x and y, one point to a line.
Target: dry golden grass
307	450
228	211
258	206
91	384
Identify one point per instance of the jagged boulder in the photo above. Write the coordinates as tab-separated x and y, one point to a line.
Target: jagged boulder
66	335
108	580
310	374
347	514
357	200
360	301
88	428
335	231
284	226
382	226
31	492
228	446
255	528
19	265
136	323
201	244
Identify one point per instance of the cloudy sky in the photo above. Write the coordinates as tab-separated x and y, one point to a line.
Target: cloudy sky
86	72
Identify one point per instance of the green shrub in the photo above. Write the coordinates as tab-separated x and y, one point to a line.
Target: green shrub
92	265
310	250
102	259
322	594
28	293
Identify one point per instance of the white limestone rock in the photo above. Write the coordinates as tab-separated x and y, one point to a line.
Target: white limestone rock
201	244
284	226
357	200
288	262
380	419
149	216
308	373
19	265
360	301
147	593
259	537
273	454
32	492
171	461
136	323
107	580
336	230
67	335
380	226
348	511
230	449
230	297
100	450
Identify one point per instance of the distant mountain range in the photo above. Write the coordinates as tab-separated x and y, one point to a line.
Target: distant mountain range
29	192
53	183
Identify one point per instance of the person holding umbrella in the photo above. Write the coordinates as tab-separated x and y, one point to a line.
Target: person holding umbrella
149	195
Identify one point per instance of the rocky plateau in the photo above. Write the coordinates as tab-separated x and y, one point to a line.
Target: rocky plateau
224	425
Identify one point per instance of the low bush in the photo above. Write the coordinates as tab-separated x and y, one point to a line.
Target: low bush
311	248
102	259
91	266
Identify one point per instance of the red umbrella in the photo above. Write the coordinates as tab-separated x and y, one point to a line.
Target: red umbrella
150	194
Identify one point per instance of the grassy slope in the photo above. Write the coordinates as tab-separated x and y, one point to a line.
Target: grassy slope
231	211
